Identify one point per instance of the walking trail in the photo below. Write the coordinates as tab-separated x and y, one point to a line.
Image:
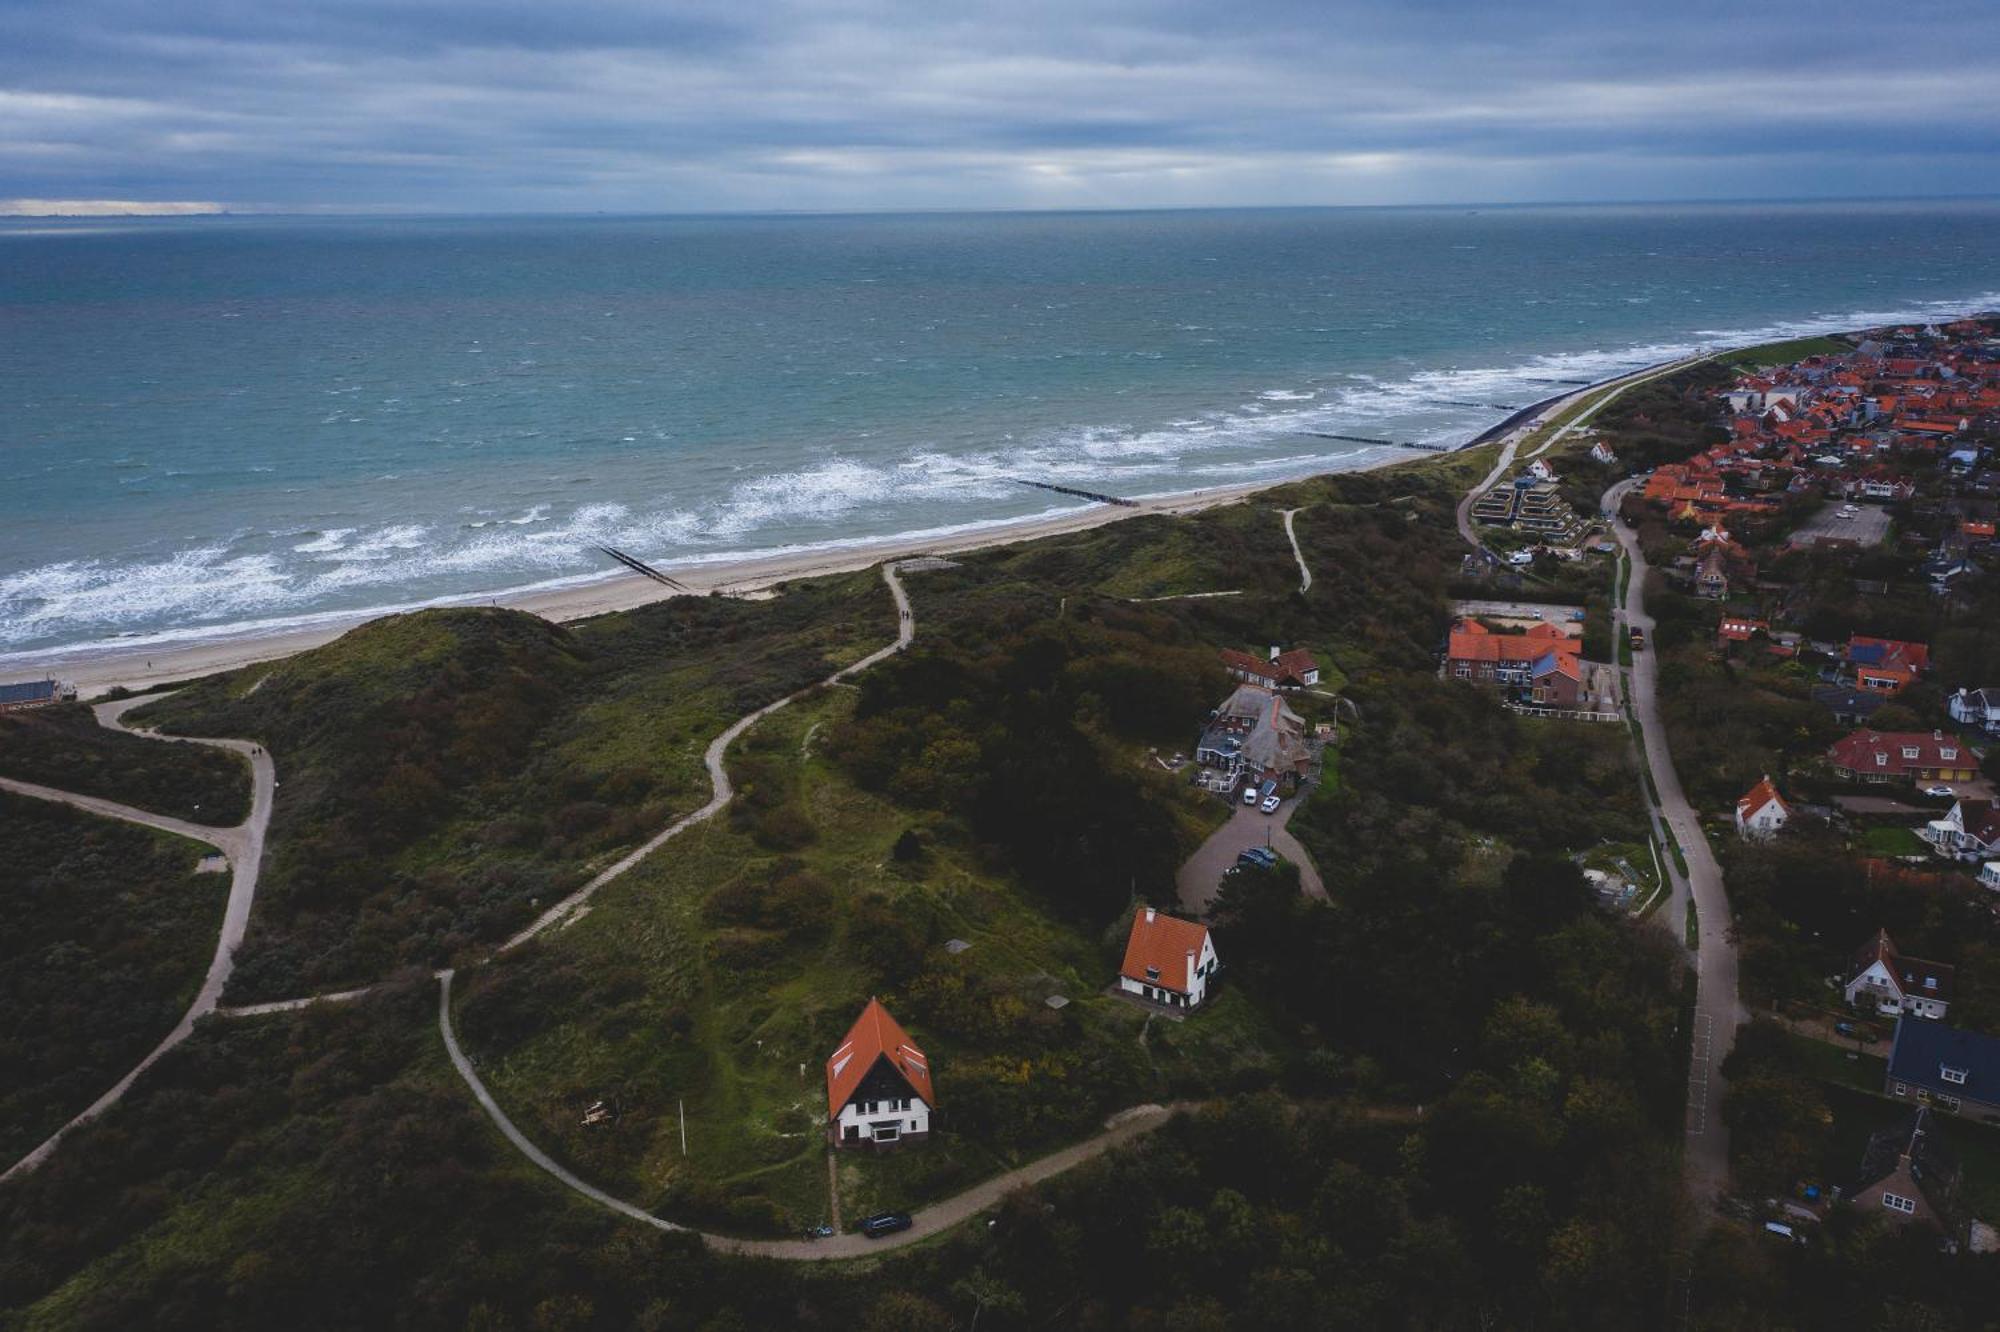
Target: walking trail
1305	574
243	845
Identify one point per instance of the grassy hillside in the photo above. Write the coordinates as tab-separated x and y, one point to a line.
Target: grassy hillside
64	747
442	773
109	932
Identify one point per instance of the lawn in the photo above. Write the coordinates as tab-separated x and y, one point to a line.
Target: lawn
109	933
1888	840
721	973
1784	353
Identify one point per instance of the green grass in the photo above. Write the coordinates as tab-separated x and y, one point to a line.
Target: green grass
1785	353
1884	840
64	747
649	1001
109	934
1839	1064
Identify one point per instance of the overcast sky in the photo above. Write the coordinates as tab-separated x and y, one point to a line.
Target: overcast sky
681	105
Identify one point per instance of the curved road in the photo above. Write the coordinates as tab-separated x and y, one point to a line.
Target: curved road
243	844
1718	1009
1121	1128
1201	876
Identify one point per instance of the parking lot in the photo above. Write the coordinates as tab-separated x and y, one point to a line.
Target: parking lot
1523	614
1869	527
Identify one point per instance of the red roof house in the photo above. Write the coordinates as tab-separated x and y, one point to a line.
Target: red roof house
1167	960
878	1083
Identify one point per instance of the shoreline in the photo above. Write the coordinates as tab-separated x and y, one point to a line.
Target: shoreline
97	668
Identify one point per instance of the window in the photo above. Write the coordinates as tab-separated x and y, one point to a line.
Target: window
1948	755
1902	1089
1950	1103
1896	1202
1909	753
1930	982
1950	1074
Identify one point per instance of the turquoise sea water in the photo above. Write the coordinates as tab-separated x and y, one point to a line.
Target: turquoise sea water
211	425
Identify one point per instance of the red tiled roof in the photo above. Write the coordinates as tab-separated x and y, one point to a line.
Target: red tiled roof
1163	943
1473	641
1762	794
1249	665
874	1036
1858	751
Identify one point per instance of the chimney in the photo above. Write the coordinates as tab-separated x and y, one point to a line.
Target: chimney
1274	652
1149	915
1190	970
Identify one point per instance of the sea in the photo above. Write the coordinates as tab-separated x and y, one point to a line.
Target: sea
226	426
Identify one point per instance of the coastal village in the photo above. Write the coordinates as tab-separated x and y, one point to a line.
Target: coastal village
1814	539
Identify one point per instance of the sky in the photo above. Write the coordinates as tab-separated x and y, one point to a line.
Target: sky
701	105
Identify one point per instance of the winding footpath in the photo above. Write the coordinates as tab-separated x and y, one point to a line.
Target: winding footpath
1291	534
243	845
929	1221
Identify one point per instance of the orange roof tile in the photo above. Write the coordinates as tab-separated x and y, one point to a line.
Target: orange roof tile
873	1037
1163	943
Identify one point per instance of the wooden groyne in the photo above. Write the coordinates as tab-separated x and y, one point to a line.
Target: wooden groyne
1080	494
640	567
1379	443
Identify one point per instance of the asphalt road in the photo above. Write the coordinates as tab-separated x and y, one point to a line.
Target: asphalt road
243	845
1718	1009
1247	827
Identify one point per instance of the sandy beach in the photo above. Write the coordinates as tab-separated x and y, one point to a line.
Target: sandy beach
99	667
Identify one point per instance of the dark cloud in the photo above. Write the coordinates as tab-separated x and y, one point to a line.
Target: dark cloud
640	104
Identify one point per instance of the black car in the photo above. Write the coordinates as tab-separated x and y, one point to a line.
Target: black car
885	1223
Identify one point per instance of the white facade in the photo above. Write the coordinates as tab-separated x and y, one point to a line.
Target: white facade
1878	987
1976	707
883	1121
1989	875
1763	821
1185	990
1950	838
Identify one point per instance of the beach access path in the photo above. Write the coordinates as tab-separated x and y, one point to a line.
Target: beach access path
242	844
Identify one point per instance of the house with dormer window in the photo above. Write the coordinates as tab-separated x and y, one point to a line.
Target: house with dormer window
1945	1068
878	1084
1908	1174
1887	982
1969	832
1168	961
1903	756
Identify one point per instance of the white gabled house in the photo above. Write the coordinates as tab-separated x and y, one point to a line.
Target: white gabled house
1167	960
878	1083
1976	707
1969	831
1762	812
1989	875
1888	983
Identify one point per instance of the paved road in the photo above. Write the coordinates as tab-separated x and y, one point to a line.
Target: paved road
1291	534
722	792
1121	1128
1247	827
1718	1008
243	844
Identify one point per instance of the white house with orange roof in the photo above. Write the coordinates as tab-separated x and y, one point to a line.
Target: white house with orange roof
1762	812
878	1083
1167	960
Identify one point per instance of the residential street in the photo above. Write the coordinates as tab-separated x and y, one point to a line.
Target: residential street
1718	1010
1247	827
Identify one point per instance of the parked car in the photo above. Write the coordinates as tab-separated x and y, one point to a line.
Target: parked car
885	1223
1521	558
1270	805
1257	857
1940	790
1250	793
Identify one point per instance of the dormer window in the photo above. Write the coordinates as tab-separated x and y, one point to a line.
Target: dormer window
1930	982
1948	755
1956	1076
1152	972
1881	760
1910	753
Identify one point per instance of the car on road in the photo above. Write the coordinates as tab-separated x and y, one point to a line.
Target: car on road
1270	805
1940	790
1521	558
1250	794
885	1223
1257	857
